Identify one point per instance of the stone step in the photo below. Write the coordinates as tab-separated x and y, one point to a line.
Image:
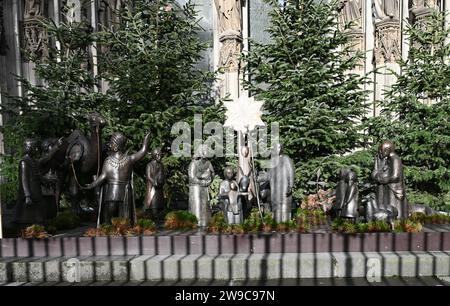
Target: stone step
225	267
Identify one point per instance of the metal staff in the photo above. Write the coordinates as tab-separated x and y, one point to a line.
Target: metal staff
254	181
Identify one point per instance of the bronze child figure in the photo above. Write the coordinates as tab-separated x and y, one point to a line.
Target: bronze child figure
116	197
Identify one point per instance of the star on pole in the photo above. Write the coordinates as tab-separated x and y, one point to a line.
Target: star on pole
243	115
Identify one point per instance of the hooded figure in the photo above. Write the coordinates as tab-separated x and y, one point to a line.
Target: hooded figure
31	206
201	175
281	178
388	175
155	179
350	203
116	196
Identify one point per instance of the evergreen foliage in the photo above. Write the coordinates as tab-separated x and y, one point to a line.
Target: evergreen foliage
416	111
304	76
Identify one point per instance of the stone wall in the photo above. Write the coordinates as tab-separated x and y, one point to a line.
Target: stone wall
377	30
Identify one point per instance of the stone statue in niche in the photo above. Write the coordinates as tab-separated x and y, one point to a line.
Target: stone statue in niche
201	175
229	16
34	8
351	13
109	12
281	178
35	39
425	3
385	10
31	206
350	202
155	179
388	175
117	197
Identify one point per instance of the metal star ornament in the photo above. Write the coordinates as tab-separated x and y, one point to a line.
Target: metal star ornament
243	115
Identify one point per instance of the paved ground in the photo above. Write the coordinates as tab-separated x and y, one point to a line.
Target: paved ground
393	281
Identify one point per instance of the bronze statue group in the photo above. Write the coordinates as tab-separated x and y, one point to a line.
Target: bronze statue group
42	176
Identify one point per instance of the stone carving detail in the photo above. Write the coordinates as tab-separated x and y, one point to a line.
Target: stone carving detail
387	42
425	4
34	8
35	35
3	45
386	10
35	38
351	11
229	54
108	12
387	31
421	9
229	16
230	31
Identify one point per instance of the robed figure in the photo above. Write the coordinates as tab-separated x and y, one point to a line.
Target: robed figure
229	15
350	202
385	9
115	180
281	178
201	175
389	179
31	206
351	12
155	180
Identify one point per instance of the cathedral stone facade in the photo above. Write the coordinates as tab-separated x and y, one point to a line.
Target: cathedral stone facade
377	30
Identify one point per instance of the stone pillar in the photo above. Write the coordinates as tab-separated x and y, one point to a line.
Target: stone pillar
351	11
229	42
35	38
93	51
229	28
387	44
420	10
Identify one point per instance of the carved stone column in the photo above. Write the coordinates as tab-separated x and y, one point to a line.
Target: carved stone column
420	9
230	33
229	27
351	13
34	34
387	44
